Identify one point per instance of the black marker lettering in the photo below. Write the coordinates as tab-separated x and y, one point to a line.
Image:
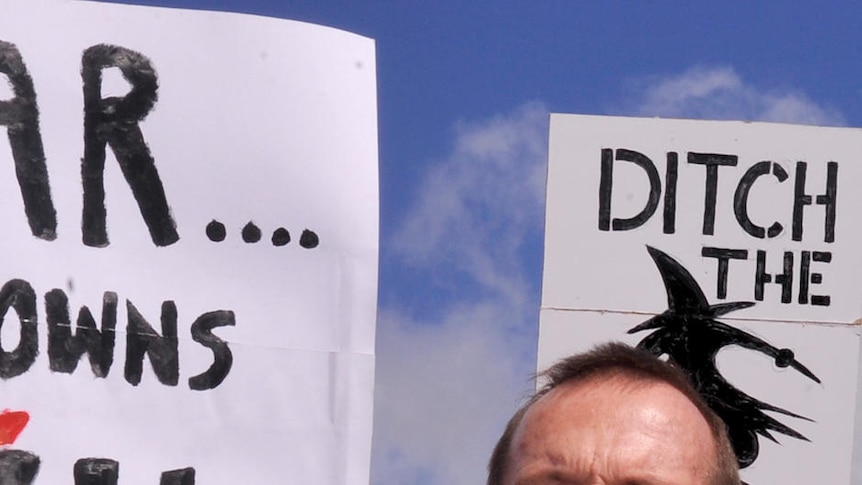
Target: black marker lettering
222	356
65	350
114	121
162	349
606	189
184	476
800	200
740	199
828	199
785	279
20	115
712	161
642	161
814	278
641	217
18	467
606	180
96	471
670	193
19	295
804	276
723	256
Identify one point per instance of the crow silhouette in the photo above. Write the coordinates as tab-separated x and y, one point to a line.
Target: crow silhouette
689	334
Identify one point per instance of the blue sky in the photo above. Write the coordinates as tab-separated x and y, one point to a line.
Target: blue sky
464	90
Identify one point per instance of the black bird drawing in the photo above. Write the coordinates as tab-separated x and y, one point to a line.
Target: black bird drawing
689	333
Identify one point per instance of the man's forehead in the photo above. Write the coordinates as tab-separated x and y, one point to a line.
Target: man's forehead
612	413
612	396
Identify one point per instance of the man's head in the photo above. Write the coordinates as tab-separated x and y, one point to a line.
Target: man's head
614	415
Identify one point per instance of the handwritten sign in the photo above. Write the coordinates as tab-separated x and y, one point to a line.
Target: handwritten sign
189	255
730	248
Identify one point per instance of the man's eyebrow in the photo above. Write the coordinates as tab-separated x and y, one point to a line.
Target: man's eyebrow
559	477
644	481
553	477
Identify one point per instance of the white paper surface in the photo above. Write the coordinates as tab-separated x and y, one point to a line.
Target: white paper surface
258	121
600	282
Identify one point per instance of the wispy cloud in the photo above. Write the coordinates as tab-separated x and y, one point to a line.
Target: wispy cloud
445	386
720	93
475	209
444	391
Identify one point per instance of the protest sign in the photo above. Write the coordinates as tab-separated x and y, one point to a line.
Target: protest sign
189	252
729	247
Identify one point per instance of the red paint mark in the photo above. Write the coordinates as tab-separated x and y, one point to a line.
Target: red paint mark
11	425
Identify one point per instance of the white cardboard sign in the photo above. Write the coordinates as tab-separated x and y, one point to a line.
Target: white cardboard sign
731	245
189	207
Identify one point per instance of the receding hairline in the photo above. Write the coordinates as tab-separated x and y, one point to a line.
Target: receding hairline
622	378
633	367
617	380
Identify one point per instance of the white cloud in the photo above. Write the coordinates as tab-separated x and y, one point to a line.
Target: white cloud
444	391
475	207
720	93
445	387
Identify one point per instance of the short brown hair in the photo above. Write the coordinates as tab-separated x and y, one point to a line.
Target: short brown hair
621	360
